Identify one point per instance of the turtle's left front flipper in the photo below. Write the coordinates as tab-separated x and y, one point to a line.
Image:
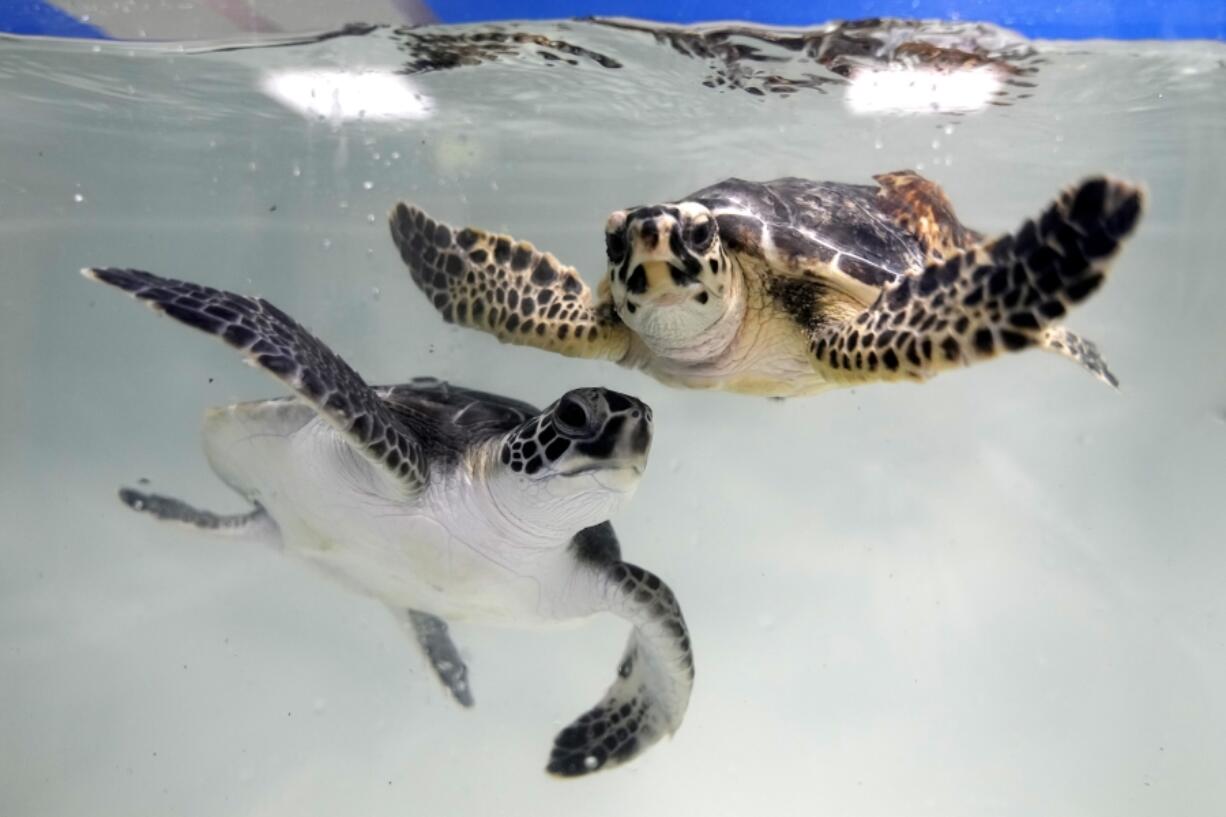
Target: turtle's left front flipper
505	287
276	343
654	679
1004	295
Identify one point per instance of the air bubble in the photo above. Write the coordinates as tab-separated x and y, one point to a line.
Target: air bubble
370	218
78	198
327	243
590	763
368	185
375	293
297	171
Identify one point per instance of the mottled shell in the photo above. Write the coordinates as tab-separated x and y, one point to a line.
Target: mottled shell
860	237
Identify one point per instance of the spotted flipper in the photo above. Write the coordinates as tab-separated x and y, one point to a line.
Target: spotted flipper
921	207
1001	296
505	287
169	509
272	340
435	642
649	698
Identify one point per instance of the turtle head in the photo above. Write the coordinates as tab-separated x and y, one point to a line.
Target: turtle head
574	464
669	274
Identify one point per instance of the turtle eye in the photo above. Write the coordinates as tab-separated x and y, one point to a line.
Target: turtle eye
571	415
700	234
615	246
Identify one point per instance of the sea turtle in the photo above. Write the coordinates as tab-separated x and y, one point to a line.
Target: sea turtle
444	503
788	287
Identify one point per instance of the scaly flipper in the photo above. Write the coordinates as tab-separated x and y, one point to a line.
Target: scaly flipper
169	509
269	338
434	640
654	679
505	287
1004	295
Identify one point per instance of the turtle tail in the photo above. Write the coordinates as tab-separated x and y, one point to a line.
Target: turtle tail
1003	295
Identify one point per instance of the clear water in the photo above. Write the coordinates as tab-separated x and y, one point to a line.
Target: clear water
997	593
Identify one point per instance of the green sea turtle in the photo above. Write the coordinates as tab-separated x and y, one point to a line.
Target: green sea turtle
444	503
788	287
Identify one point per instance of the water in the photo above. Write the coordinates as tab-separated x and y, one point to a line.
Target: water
998	593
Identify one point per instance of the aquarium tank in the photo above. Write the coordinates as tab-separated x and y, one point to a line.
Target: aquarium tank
906	497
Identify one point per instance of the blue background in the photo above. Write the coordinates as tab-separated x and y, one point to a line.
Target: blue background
1074	19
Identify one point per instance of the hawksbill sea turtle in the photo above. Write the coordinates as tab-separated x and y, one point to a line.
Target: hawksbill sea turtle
789	287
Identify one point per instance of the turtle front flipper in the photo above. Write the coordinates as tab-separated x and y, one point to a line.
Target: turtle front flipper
1000	296
507	288
654	679
435	641
272	340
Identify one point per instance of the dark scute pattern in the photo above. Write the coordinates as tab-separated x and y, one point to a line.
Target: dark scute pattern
810	222
293	355
462	417
921	207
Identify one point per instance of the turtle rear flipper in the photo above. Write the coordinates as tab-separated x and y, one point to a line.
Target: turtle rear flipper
168	509
432	635
1060	340
1004	295
505	287
652	691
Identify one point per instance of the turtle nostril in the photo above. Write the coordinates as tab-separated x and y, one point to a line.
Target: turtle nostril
571	414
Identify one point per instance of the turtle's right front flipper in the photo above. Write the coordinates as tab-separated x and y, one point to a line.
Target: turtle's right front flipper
505	287
275	342
1004	295
654	679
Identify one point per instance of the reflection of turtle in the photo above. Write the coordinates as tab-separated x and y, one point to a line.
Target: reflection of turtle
444	503
758	60
788	287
